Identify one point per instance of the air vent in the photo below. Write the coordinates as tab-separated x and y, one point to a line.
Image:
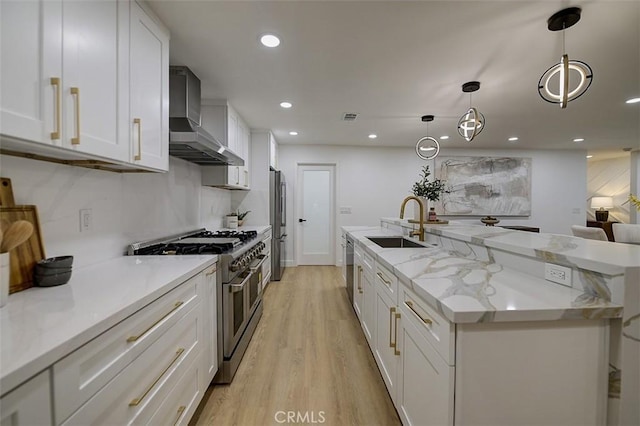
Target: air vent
350	116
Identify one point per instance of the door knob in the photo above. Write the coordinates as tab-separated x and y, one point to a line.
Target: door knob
302	220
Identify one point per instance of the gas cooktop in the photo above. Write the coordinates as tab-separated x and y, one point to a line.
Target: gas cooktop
200	242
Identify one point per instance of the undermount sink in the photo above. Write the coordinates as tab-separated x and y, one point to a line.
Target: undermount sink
396	242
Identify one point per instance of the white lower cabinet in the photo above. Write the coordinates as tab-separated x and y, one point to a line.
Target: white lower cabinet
387	318
425	381
29	404
210	326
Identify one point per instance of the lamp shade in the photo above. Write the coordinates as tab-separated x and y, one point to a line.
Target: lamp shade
601	202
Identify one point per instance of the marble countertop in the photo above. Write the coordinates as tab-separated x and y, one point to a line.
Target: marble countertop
472	290
40	325
600	256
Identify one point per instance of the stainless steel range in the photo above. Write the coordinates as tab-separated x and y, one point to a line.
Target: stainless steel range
239	292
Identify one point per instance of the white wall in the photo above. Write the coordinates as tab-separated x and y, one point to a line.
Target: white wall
126	207
373	181
611	178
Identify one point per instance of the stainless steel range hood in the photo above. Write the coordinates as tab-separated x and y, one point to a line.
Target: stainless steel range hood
187	140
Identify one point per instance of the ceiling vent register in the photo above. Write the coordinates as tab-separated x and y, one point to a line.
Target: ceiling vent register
350	116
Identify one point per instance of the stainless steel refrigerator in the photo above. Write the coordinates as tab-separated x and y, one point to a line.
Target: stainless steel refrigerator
278	216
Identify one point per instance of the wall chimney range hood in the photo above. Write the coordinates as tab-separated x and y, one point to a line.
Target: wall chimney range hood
187	140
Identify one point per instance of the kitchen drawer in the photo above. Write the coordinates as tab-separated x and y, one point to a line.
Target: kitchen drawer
386	281
181	402
135	394
357	251
267	234
85	371
436	328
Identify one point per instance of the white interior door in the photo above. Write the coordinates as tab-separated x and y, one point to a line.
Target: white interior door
315	215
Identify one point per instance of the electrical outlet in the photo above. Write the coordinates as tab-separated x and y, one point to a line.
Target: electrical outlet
86	220
557	274
345	210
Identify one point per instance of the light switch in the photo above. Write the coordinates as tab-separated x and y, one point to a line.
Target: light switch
345	210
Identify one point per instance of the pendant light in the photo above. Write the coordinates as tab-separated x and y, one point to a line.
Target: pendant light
566	91
472	122
427	147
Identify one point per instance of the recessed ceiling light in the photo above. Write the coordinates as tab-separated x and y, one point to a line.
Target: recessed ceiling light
270	40
633	101
513	139
373	136
444	138
578	140
293	133
589	156
286	104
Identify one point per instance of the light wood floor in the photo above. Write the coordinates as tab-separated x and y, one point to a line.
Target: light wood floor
308	354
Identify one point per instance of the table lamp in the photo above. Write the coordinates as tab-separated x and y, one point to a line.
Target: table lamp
602	203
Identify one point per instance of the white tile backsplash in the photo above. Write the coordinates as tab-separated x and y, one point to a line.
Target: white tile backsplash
125	207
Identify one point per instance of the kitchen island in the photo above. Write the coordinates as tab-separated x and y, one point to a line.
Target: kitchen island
471	285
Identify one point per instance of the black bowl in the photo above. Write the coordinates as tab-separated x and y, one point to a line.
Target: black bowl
51	280
40	270
56	262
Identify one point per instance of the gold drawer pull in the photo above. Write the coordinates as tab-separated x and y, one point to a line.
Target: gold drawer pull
55	81
138	121
135	338
211	272
383	279
391	312
395	344
76	91
360	279
137	401
410	306
180	412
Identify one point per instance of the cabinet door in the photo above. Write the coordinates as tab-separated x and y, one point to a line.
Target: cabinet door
30	56
273	152
210	325
344	257
149	65
368	316
425	381
29	404
386	341
357	286
95	77
232	130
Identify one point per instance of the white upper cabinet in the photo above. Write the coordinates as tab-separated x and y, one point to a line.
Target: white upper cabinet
31	37
149	84
95	82
88	80
273	152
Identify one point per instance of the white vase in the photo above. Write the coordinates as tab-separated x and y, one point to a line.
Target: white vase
5	275
416	210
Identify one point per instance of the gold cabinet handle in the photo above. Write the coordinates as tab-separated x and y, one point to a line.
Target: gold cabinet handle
180	412
388	283
76	92
137	401
211	272
138	121
395	344
55	81
391	312
410	306
360	278
135	338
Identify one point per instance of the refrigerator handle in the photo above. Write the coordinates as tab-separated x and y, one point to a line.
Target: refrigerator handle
283	206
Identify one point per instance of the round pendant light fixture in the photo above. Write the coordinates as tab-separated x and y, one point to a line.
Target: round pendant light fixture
427	147
568	79
472	122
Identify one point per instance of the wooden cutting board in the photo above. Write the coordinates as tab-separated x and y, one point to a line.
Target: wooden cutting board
6	193
25	256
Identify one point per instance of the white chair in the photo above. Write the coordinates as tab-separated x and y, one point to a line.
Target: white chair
589	233
626	233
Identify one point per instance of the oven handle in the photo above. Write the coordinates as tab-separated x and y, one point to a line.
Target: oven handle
262	258
235	288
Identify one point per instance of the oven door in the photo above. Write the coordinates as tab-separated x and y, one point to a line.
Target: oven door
255	283
235	309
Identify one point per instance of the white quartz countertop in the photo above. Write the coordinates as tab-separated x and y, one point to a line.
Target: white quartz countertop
40	325
470	290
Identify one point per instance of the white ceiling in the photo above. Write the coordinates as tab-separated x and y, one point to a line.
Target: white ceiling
394	61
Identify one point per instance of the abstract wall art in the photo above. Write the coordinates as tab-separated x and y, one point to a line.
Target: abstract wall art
479	186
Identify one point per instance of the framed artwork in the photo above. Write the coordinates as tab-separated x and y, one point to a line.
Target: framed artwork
481	186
